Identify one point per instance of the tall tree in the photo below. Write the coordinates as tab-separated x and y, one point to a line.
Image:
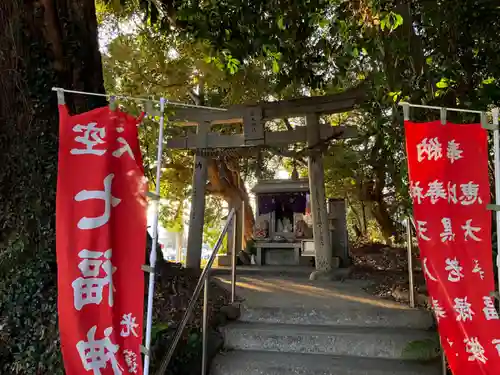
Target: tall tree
148	61
43	44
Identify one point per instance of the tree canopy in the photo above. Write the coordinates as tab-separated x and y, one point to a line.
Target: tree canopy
262	50
220	52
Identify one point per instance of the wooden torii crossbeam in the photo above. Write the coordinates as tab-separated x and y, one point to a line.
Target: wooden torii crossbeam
253	117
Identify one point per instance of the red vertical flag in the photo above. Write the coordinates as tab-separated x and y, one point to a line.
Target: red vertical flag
449	186
101	234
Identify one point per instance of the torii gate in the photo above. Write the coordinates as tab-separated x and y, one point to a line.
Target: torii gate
253	118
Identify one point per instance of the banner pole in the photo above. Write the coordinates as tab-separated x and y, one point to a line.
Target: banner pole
234	259
496	146
444	362
204	356
409	248
152	256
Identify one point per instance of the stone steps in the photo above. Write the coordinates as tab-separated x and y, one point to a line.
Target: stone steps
270	363
365	317
373	342
290	325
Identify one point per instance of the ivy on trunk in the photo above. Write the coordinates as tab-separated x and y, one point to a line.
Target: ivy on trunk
43	44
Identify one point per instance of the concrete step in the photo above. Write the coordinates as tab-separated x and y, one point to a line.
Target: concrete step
362	317
272	363
372	342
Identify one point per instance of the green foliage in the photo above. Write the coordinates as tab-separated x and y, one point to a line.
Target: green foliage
327	46
390	21
213	223
29	338
423	350
180	69
158	328
187	359
245	28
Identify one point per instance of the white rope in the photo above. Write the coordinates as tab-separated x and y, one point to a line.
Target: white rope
167	102
403	104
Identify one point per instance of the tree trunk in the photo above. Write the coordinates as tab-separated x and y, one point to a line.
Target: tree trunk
227	183
43	43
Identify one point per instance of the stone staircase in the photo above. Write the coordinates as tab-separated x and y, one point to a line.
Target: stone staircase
296	327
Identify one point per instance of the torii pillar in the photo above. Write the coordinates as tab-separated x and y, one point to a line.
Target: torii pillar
197	214
324	254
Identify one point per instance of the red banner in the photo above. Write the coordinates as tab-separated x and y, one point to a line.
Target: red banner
449	185
101	234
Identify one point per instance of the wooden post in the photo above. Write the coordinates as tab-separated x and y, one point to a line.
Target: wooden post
197	215
321	234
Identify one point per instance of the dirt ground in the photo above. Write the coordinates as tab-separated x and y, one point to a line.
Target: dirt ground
387	268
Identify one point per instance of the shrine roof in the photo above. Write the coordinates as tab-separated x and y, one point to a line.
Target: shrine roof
281	186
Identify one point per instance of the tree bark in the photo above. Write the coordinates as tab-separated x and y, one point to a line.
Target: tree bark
43	43
229	185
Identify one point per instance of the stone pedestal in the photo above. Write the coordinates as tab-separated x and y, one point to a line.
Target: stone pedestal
338	230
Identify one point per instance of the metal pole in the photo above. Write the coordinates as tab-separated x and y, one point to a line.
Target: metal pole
194	298
204	359
152	255
496	146
409	247
443	362
234	260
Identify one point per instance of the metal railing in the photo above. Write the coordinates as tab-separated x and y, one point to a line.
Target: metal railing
410	226
203	282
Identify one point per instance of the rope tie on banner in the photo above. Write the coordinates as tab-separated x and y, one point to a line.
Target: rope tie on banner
153	196
112	103
406	111
484	120
147	268
60	97
442	115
